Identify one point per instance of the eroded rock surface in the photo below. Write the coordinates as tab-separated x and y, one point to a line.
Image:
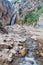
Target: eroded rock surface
5	12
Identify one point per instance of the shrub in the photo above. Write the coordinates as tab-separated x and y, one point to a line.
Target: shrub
20	11
31	17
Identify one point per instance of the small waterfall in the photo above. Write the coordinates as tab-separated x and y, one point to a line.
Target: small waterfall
13	20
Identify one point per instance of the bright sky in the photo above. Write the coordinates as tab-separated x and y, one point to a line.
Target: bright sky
9	0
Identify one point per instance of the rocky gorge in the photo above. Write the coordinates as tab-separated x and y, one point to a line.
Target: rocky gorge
21	45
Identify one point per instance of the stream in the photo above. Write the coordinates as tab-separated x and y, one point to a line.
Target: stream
30	58
13	20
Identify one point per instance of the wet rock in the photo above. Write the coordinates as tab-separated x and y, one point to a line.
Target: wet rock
25	63
34	38
31	60
20	39
37	54
23	52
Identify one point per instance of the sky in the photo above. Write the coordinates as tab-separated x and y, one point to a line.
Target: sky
9	0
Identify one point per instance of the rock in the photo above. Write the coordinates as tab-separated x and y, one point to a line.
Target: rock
2	29
23	52
34	37
20	39
2	59
6	56
10	55
5	45
41	54
25	63
5	12
19	49
9	59
37	54
13	51
5	50
5	64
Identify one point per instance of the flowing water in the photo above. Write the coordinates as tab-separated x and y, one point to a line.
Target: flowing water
30	58
13	20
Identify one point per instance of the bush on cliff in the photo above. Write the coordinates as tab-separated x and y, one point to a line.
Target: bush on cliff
31	17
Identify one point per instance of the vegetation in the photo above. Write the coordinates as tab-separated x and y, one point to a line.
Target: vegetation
32	17
40	10
20	11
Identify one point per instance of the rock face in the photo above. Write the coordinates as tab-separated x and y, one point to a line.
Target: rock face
29	5
5	12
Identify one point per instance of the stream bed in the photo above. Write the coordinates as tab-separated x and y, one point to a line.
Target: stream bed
30	58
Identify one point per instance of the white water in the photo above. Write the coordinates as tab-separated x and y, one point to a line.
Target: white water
13	20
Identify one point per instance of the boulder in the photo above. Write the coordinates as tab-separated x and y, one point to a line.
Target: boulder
5	56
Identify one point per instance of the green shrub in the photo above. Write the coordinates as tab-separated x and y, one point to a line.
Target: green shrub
39	7
31	17
40	10
20	11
